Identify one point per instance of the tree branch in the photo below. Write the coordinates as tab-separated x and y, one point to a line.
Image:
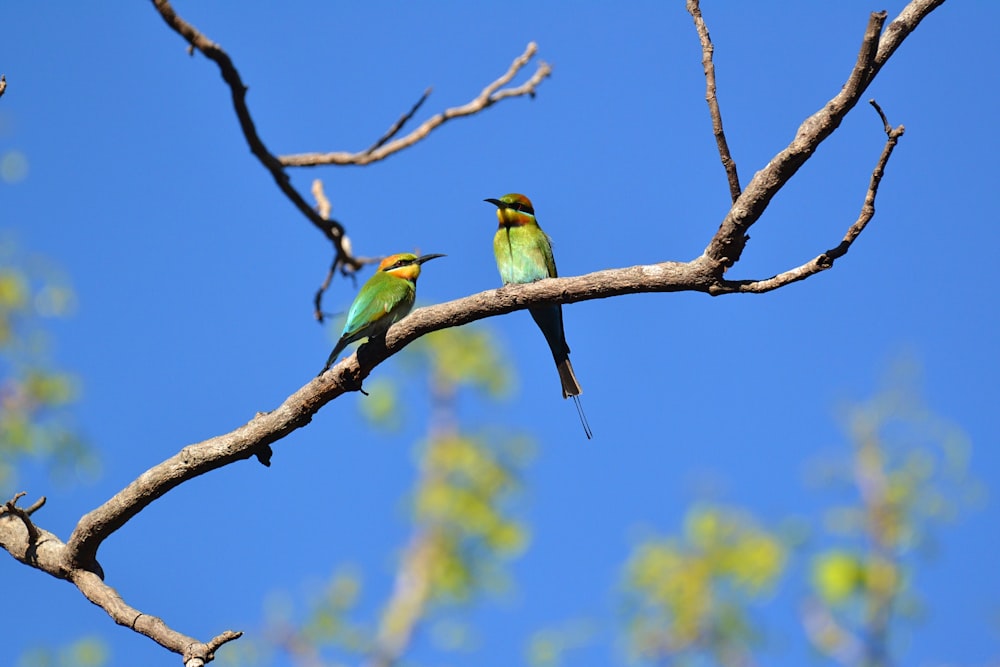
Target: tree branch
398	125
297	410
76	560
489	96
707	49
344	260
826	260
42	550
3	84
331	229
729	241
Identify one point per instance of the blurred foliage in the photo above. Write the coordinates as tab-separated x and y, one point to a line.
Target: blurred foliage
85	652
548	648
909	470
689	596
34	421
464	528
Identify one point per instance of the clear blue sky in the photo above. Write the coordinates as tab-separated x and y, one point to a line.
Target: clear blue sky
195	275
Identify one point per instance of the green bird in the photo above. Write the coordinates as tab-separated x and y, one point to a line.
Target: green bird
384	299
524	255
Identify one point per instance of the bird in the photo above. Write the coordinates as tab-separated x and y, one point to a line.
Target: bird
386	298
524	255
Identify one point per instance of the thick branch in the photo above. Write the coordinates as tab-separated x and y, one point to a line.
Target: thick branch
41	549
298	409
707	50
826	260
490	95
729	241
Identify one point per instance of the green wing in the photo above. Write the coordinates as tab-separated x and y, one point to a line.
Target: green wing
383	300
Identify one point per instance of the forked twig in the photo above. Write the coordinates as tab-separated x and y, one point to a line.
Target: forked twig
489	96
826	260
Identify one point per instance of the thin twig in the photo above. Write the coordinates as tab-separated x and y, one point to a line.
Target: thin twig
35	506
10	507
398	125
323	207
707	50
489	96
826	260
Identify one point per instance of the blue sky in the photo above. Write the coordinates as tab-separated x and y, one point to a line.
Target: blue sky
195	277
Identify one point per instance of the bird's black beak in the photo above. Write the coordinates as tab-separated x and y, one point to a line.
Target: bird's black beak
496	202
424	258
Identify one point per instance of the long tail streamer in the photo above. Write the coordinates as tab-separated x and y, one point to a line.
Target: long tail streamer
583	418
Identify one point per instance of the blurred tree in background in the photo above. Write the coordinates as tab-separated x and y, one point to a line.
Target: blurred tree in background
35	422
691	595
689	599
909	470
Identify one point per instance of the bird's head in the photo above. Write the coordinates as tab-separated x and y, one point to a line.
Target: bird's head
513	210
404	265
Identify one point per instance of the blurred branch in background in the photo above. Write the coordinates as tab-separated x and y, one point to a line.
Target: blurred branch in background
463	528
910	470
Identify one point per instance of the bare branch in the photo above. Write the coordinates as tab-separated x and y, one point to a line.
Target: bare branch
331	229
42	550
489	96
193	652
297	410
727	245
35	506
3	84
323	206
346	269
398	125
707	50
826	260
